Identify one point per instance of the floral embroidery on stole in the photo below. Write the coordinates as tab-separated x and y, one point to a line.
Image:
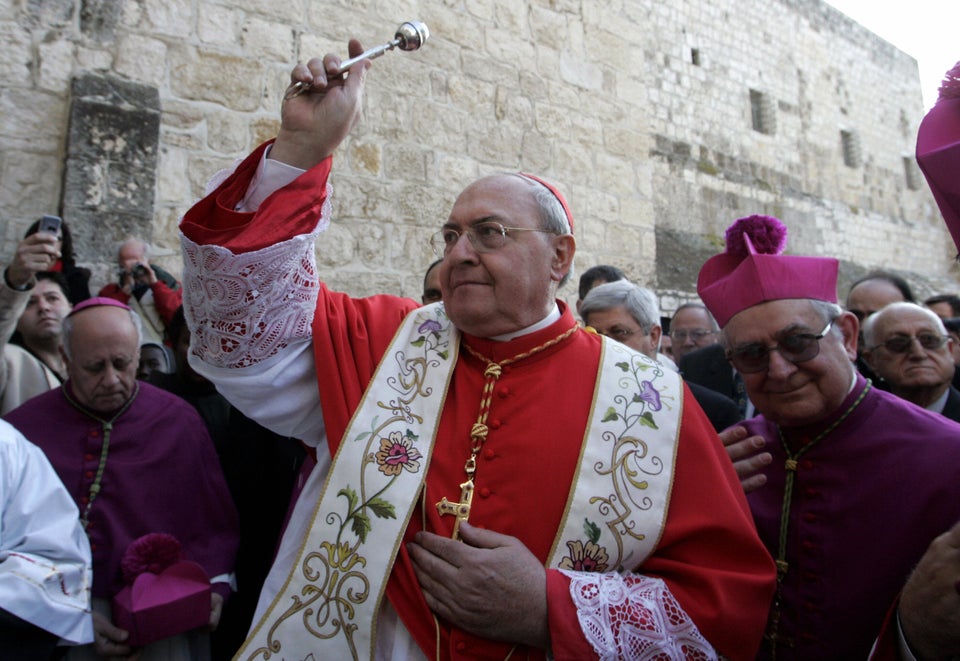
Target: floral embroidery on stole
612	521
617	506
328	603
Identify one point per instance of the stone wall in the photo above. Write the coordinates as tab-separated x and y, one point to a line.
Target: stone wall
662	121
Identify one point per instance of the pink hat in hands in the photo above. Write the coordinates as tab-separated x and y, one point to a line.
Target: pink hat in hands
753	270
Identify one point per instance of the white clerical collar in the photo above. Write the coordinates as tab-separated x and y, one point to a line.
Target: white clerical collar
937	405
543	323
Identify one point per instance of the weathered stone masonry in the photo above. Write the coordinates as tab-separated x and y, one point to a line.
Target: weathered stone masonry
663	121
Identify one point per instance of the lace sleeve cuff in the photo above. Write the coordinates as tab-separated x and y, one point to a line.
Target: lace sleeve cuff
634	617
245	308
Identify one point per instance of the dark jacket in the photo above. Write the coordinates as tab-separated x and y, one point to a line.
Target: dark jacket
708	366
720	409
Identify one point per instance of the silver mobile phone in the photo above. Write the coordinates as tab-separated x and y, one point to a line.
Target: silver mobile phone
50	224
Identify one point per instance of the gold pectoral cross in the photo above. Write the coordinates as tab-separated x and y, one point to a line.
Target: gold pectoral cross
461	510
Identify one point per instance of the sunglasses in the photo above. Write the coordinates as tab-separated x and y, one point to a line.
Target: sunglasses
795	347
903	343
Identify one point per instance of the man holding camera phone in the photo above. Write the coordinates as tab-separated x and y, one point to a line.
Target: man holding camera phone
152	292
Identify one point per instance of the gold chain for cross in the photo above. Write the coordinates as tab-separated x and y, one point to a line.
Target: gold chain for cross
478	433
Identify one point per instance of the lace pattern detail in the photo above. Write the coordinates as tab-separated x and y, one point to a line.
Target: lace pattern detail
634	617
244	309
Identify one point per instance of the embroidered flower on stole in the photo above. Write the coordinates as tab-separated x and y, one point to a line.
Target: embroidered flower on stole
397	453
650	395
429	326
585	557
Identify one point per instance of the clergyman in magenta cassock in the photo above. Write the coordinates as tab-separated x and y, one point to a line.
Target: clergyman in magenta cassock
852	497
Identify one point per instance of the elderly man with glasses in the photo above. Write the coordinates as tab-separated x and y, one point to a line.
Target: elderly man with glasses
848	484
908	347
491	481
692	327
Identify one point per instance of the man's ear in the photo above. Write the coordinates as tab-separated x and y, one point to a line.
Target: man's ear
850	328
564	247
655	332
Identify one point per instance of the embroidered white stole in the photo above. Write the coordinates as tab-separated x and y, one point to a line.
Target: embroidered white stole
621	492
615	511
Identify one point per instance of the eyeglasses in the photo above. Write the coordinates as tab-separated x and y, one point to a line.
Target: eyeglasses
903	343
484	237
795	347
619	334
695	335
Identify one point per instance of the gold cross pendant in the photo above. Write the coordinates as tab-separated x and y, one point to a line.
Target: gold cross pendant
461	509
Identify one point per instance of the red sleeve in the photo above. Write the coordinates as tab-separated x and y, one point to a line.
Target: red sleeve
113	290
350	335
290	211
887	646
167	300
709	554
566	637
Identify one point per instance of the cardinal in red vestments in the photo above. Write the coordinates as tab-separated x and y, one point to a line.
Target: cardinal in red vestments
478	570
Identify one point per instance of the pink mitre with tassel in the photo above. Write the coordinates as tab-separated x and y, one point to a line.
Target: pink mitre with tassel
938	151
165	594
754	270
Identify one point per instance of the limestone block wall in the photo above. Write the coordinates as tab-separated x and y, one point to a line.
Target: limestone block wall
662	121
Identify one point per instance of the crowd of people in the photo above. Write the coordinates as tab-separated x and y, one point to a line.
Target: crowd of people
487	472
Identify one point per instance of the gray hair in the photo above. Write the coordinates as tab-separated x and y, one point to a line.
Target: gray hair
870	324
134	241
552	214
67	331
640	302
826	310
553	217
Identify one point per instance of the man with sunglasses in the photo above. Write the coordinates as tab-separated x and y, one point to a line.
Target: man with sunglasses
464	503
908	347
848	484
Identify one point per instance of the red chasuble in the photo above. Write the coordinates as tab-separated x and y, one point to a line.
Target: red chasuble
708	554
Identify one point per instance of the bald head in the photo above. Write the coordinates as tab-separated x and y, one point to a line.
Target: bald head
874	292
101	349
908	347
506	252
